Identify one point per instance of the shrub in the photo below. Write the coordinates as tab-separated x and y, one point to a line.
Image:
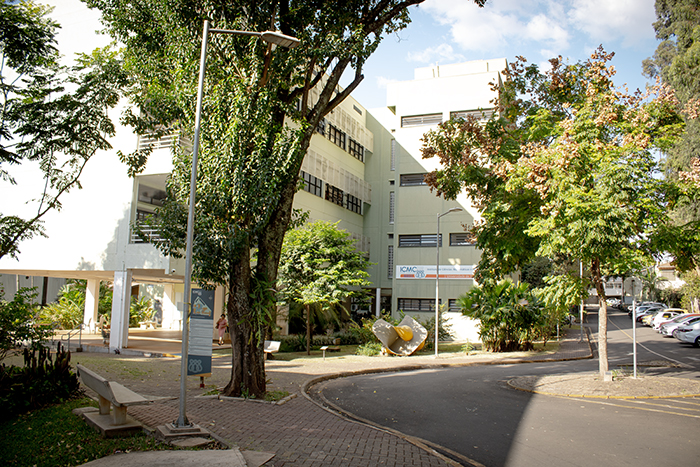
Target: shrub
18	326
140	310
508	313
369	349
41	381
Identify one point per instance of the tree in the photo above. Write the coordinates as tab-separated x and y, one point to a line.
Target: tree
574	156
675	63
52	116
262	107
320	267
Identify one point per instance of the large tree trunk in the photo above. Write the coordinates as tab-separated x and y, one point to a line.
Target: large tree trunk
602	318
247	327
247	359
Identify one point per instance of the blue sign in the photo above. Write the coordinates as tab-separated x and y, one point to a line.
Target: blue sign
201	332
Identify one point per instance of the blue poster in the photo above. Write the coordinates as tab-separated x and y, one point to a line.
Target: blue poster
200	335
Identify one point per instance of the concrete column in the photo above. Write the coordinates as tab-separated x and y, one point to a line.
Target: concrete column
170	313
378	306
121	302
92	301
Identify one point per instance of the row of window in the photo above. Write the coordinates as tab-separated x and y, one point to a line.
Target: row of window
340	139
314	185
428	240
436	118
425	305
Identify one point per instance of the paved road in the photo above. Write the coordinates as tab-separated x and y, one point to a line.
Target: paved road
472	411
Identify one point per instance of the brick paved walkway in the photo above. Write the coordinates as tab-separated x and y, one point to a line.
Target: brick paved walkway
299	432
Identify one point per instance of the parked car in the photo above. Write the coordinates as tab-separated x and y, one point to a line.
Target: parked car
648	311
666	329
642	307
688	333
665	316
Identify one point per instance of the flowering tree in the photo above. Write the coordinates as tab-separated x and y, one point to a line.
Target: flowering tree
569	167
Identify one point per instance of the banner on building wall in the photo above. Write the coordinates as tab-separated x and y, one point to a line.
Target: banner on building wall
448	271
201	332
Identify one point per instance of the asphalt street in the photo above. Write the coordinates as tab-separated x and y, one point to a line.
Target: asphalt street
480	420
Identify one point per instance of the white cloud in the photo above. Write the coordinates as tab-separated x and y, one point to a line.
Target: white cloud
443	52
383	82
516	25
605	20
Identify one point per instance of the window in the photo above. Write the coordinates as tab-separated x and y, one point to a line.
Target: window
412	180
312	184
390	262
321	128
336	136
484	114
392	204
421	120
393	155
417	304
148	234
418	240
461	239
353	204
453	307
357	109
334	195
356	150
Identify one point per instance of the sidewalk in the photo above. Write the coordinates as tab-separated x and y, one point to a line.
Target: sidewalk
299	432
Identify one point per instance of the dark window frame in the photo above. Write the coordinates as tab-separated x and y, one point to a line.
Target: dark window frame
313	185
353	203
337	136
418	241
417	305
335	195
416	179
356	150
461	239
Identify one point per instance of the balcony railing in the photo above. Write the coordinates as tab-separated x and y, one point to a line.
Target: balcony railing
148	235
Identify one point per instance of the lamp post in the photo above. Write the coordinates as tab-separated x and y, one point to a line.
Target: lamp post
437	277
634	330
270	37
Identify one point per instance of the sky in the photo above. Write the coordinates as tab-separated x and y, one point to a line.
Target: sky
454	31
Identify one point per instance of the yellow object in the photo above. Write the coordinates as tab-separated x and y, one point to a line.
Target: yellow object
404	332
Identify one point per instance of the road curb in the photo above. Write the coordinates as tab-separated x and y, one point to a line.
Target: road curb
428	446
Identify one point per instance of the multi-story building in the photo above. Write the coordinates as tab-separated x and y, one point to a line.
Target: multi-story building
363	168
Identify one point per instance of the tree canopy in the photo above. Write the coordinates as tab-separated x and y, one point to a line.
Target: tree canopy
320	267
569	165
675	62
261	107
52	116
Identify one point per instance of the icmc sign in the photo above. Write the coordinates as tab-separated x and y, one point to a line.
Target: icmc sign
200	336
448	271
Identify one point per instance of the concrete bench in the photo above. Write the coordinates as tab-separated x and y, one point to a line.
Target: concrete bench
270	348
113	394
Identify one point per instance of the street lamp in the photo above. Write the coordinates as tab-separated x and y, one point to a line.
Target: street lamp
437	277
271	37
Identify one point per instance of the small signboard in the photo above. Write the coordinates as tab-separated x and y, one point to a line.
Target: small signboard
200	335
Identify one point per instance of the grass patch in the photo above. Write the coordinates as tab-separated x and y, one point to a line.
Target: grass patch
274	396
54	436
